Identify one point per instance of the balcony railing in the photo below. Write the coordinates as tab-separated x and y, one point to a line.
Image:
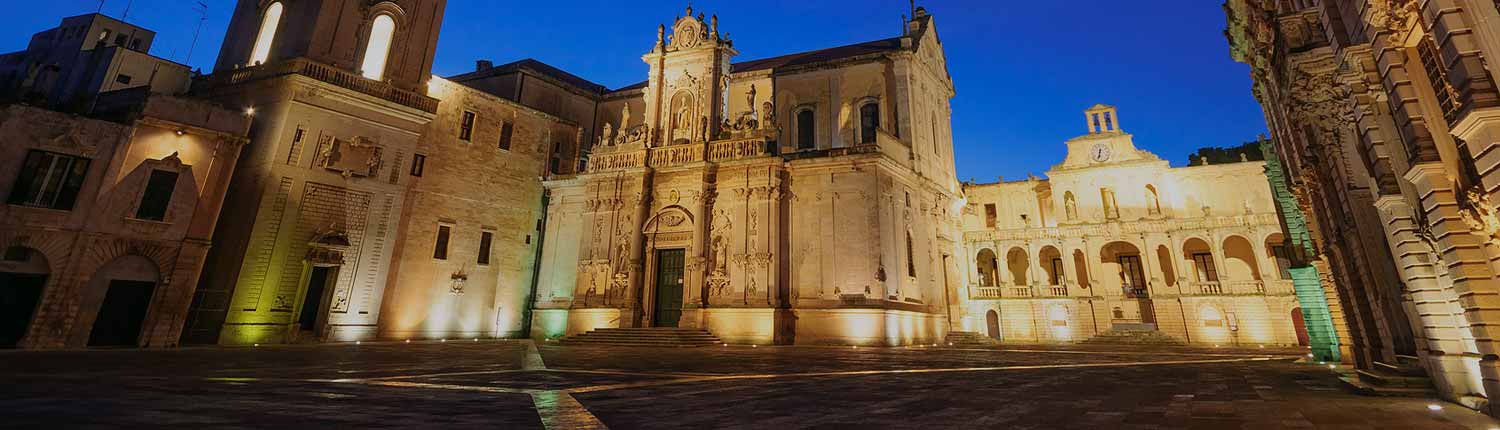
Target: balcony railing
1021	292
682	154
1057	291
1254	286
326	74
986	292
1210	287
1136	291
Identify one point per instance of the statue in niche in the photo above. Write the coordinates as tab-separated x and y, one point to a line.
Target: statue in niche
1070	204
767	115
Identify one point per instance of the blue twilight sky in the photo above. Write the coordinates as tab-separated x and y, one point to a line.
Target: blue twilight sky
1024	70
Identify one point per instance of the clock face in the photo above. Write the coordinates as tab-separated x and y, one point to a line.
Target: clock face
1100	152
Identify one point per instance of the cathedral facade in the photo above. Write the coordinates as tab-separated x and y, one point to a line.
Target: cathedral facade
808	198
1116	239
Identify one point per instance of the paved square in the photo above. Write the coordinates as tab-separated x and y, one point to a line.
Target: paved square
517	385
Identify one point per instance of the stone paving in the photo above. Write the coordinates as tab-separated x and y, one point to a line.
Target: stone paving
518	385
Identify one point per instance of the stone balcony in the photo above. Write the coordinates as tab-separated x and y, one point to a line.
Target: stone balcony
1270	287
324	73
1117	228
681	154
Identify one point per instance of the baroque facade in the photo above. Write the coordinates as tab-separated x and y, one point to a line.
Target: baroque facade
808	198
1382	114
1116	239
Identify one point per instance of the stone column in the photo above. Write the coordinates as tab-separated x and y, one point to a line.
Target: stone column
1468	264
1443	351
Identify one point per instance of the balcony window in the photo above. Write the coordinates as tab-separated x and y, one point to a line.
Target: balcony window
49	180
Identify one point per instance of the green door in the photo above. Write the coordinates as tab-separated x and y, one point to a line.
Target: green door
668	287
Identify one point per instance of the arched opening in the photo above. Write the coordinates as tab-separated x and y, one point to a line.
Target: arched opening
1279	255
1081	269
1300	325
1239	259
1124	260
269	21
1197	254
1051	261
1153	200
378	48
1017	262
116	301
806	130
23	275
992	324
869	121
1168	273
987	263
1070	206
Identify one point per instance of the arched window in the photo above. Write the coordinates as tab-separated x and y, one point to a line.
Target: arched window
379	47
1153	200
806	131
869	121
268	23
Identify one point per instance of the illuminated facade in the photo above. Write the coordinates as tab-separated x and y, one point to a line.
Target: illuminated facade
108	217
1116	239
1383	114
805	199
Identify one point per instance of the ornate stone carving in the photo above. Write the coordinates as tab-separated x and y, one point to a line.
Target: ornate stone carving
1479	213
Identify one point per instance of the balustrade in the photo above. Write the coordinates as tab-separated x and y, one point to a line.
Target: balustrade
327	74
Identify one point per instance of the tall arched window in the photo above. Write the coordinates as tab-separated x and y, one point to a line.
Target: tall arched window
869	121
806	131
268	23
379	47
911	262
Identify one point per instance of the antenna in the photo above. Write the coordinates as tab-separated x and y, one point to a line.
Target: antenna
126	15
202	16
101	7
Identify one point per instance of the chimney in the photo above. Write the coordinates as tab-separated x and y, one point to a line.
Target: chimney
482	65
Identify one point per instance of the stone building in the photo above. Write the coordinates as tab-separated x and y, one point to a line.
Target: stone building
1383	114
376	200
83	56
1116	239
806	198
108	218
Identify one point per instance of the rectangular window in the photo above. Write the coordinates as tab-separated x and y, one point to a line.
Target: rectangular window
440	251
991	217
157	196
1057	271
505	131
49	180
1131	273
806	130
555	164
466	127
121	39
869	121
122	79
1283	260
1437	74
1204	262
484	247
418	163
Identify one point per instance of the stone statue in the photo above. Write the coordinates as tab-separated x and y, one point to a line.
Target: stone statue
661	31
767	115
750	98
1071	205
625	117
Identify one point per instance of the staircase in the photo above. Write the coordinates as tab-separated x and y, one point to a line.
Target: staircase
662	337
1132	337
963	339
1404	378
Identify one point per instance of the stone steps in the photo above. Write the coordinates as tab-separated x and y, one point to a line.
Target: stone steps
665	337
1401	379
969	339
1132	337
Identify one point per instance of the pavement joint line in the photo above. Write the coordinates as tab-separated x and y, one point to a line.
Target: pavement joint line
533	357
559	410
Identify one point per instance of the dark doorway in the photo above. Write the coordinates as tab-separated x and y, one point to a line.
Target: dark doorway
1300	324
992	322
122	314
668	288
19	294
312	303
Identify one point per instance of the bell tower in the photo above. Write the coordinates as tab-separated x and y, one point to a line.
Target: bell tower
685	96
384	40
1102	118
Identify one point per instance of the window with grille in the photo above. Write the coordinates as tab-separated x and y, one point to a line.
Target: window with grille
1437	74
49	180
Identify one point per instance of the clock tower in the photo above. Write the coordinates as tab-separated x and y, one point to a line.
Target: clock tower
1105	143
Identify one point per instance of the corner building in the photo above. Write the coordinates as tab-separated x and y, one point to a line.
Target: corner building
1117	240
807	198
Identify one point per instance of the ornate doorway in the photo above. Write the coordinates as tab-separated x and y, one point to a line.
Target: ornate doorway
668	303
